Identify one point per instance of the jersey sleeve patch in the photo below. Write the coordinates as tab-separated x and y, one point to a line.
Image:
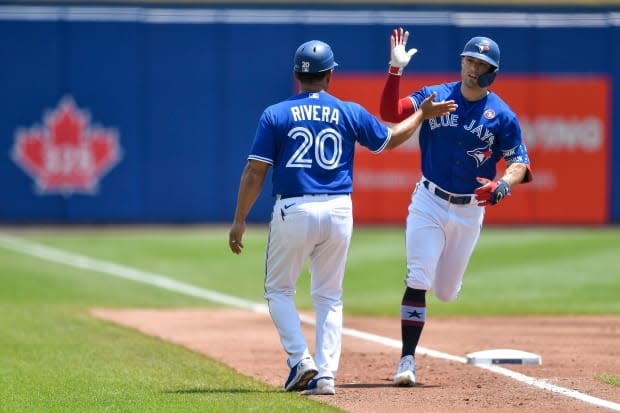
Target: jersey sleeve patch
518	154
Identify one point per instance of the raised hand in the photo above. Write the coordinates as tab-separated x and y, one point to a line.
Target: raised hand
399	56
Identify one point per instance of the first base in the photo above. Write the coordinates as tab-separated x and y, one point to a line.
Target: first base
503	356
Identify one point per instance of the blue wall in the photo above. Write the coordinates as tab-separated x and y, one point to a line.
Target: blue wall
184	89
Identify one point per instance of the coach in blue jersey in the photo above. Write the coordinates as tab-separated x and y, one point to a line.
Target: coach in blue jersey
309	140
459	153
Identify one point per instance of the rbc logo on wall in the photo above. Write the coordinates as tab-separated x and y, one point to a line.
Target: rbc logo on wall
66	154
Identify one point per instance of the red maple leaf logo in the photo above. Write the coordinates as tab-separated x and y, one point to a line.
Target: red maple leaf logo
66	155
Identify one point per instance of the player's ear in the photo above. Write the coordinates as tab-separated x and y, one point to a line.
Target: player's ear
328	76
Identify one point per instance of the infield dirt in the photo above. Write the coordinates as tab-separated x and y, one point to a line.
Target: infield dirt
574	351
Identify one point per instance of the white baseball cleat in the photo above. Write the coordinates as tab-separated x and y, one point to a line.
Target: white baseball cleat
405	373
320	385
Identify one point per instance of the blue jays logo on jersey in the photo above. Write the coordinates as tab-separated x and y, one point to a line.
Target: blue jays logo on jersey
481	155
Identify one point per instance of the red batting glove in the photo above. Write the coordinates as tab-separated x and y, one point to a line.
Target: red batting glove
491	192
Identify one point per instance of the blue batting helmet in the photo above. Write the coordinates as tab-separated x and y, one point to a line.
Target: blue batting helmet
486	50
314	56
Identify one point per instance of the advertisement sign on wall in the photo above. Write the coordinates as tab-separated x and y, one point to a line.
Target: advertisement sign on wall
66	154
567	139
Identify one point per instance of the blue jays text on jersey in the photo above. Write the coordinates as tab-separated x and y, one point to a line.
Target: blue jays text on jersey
309	139
468	143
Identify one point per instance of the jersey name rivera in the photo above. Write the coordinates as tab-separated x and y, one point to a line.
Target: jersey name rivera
317	113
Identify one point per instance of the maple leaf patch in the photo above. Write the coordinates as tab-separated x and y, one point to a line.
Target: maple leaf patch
66	155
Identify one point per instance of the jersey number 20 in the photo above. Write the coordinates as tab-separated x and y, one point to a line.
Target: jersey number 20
302	158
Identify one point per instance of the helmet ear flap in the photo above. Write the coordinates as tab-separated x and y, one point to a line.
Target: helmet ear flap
487	50
486	79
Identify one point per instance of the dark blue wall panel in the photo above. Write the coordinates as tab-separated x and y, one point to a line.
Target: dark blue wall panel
185	93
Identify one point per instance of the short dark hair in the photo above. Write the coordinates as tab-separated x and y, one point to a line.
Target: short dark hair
311	77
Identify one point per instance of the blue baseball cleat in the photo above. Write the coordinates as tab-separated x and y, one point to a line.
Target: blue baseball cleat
300	375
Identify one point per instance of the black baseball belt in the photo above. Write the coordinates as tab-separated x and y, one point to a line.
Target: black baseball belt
453	199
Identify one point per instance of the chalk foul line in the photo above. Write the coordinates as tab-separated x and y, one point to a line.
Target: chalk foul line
161	281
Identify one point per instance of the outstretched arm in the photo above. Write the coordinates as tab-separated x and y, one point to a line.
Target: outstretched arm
392	108
428	109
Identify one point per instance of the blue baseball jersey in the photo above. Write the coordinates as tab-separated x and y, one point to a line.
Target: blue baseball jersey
309	139
468	143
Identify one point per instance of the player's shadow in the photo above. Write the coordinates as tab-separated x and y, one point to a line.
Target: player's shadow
382	385
199	390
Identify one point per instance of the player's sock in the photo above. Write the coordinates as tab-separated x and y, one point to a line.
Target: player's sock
412	318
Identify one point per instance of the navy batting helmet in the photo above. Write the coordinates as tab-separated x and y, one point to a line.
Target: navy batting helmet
486	50
314	56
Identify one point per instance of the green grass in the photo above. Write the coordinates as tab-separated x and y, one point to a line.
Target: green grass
57	358
512	272
609	379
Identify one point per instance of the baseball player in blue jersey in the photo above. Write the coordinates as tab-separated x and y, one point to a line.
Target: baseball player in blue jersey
459	155
309	140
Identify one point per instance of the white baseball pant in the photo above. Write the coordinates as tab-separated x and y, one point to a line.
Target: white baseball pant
315	227
440	238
